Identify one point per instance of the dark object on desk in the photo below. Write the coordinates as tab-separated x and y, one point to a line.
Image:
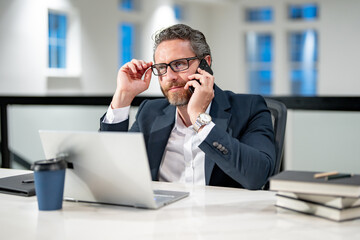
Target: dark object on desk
304	182
338	176
22	185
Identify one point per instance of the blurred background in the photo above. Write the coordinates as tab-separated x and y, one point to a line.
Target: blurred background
293	48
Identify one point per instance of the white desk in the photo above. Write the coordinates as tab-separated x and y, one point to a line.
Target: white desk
208	213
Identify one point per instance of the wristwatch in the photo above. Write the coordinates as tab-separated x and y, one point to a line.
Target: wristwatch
202	119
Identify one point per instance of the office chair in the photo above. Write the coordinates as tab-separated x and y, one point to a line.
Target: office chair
278	116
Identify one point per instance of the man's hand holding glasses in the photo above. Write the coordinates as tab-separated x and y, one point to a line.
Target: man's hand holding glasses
133	78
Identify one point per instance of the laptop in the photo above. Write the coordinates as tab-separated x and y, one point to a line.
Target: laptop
106	168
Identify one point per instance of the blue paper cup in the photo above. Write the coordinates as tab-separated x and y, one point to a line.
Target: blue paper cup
49	176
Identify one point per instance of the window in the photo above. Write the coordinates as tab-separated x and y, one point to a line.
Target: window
178	11
126	42
293	40
126	5
57	40
258	47
262	14
259	62
303	12
303	62
303	51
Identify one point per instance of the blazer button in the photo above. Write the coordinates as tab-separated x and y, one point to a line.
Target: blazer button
219	146
225	152
215	144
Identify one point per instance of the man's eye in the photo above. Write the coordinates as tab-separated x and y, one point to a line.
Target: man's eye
161	68
179	64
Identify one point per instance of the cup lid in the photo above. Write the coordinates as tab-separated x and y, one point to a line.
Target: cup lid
49	164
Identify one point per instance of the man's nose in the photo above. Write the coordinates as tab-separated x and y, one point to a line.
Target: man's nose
170	74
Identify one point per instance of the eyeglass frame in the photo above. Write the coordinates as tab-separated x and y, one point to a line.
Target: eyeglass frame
169	65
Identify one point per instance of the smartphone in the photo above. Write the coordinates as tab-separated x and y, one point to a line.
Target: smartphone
205	66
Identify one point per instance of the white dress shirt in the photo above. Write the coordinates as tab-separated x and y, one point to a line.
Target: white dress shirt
183	161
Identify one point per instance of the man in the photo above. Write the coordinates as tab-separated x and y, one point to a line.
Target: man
210	136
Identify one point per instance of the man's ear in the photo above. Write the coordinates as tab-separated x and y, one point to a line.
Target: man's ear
208	59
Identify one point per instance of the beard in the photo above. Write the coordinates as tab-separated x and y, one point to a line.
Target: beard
178	98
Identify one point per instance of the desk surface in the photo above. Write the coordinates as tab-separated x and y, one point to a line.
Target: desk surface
208	213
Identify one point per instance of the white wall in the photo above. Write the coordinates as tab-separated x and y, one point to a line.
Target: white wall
22	47
323	141
99	60
339	51
224	40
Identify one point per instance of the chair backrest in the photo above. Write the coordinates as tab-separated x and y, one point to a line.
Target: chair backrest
278	115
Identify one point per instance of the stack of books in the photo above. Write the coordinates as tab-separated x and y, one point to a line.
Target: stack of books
329	195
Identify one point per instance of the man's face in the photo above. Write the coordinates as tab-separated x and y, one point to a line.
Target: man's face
172	83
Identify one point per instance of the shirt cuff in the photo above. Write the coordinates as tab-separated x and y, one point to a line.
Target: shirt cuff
116	115
205	131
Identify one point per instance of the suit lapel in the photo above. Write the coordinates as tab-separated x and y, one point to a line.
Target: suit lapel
221	115
158	138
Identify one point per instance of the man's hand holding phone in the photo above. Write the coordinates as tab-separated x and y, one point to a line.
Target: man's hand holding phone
203	91
130	82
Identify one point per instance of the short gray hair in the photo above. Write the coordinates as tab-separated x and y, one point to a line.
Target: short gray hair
181	31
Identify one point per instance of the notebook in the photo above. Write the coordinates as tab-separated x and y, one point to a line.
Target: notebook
305	182
106	167
22	185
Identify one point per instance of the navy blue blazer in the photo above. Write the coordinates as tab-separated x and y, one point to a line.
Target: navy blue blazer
242	126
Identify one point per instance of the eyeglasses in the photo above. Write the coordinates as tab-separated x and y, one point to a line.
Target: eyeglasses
177	65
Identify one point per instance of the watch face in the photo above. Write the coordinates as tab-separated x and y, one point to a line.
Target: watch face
205	118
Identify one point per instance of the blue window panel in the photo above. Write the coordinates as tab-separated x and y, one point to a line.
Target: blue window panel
264	46
178	11
304	82
52	61
295	12
61	56
61	33
57	40
259	47
260	82
259	58
310	11
126	5
303	46
262	14
303	58
303	12
126	36
296	43
52	19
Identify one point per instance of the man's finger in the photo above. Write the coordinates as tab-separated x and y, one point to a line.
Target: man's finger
147	77
138	64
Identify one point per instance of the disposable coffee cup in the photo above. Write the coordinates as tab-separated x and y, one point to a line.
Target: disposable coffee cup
49	176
